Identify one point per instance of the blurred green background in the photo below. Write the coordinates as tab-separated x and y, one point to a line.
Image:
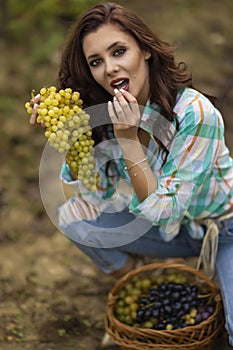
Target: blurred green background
31	37
50	295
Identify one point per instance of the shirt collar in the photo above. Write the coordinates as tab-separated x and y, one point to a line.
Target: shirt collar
156	124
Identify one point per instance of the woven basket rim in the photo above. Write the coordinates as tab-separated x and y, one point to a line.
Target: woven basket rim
153	266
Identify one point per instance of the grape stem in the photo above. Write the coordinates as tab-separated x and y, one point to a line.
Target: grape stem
33	93
204	295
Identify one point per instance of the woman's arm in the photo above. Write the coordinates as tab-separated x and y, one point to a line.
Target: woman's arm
125	115
174	187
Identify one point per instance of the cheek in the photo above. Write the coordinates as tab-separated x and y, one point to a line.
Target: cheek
97	76
93	73
138	65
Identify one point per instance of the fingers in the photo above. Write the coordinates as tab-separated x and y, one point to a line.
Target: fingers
35	99
127	101
124	107
124	95
118	111
33	116
111	112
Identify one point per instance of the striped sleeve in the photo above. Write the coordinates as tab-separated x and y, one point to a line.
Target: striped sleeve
191	158
106	157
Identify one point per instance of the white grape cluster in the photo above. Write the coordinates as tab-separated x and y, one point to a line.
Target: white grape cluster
68	130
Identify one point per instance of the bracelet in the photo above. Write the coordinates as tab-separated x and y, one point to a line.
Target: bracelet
132	166
135	174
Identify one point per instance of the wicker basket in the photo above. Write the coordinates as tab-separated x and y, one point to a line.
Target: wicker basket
194	337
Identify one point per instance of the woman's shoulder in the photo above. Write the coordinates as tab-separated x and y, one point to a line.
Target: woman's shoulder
196	104
190	97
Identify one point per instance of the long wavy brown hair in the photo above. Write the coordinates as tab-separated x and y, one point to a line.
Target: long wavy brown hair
166	77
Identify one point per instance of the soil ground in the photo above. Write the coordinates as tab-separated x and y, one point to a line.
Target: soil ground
51	296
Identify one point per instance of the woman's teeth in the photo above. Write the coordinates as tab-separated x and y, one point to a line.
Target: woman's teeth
120	84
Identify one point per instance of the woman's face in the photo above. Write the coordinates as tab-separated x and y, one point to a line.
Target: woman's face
116	61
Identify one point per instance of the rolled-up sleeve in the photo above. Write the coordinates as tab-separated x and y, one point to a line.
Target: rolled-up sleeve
106	181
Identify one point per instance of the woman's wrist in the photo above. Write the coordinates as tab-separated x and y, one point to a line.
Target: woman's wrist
131	147
135	164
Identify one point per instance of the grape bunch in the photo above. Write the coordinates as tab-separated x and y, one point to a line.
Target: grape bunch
165	303
68	130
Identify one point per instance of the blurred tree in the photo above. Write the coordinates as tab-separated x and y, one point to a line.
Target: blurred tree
38	27
22	19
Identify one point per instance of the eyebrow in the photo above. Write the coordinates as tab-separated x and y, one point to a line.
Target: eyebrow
116	43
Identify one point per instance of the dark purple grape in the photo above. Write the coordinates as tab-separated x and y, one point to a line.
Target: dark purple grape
201	310
158	304
154	292
189	298
177	306
143	300
173	319
178	286
166	301
155	312
147	314
205	315
167	293
151	298
198	318
167	309
162	295
180	313
210	309
186	307
182	324
183	292
193	295
160	326
162	287
138	319
176	295
183	300
161	311
194	289
170	285
140	312
194	303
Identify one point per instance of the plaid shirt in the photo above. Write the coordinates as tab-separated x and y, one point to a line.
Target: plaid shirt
195	182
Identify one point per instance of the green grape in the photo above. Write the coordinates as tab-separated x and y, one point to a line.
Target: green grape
67	130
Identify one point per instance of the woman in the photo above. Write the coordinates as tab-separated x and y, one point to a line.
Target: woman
164	138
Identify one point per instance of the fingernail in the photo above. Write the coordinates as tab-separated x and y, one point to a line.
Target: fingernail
122	90
116	91
114	98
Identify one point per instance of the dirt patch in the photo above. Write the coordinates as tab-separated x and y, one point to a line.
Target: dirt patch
51	296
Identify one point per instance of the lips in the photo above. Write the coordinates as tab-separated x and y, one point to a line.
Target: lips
120	83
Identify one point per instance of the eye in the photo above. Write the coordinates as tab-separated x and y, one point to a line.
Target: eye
95	62
119	51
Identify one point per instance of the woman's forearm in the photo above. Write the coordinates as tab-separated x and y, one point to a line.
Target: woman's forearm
142	178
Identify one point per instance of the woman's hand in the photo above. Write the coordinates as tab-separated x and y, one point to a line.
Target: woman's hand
125	115
35	103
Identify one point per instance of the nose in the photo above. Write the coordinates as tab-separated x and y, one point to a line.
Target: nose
111	66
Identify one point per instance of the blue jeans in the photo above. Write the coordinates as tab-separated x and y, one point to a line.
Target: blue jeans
152	245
